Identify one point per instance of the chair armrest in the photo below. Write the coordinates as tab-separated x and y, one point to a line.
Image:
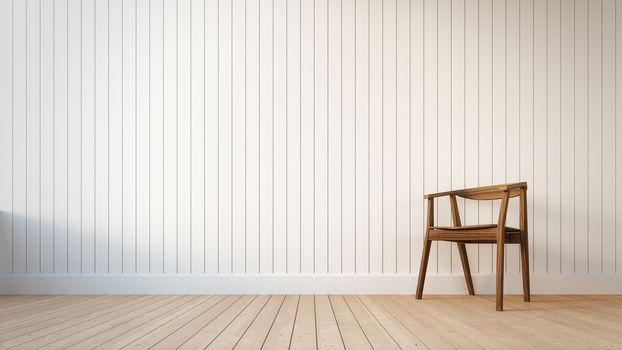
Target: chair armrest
439	194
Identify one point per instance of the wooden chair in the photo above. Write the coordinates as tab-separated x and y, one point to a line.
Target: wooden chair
499	233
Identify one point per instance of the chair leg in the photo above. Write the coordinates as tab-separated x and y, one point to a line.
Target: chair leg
464	258
524	248
425	254
500	268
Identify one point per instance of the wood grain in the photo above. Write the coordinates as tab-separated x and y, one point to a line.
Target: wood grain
328	322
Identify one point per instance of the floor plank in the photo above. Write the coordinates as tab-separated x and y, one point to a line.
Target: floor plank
207	334
351	332
181	335
374	330
304	335
50	323
400	334
230	336
83	330
15	309
416	324
466	329
169	318
449	332
520	333
68	321
24	301
328	334
43	315
309	322
107	332
490	332
256	334
280	332
183	325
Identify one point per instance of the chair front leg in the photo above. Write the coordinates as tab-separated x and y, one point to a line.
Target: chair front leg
501	248
425	254
524	249
500	261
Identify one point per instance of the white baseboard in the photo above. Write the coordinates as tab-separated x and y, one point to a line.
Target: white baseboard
299	284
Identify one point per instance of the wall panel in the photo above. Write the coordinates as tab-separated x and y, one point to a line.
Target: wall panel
298	136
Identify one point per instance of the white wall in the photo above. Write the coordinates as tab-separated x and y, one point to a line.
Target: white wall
295	137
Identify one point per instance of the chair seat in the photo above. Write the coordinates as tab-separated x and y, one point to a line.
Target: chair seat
463	228
486	233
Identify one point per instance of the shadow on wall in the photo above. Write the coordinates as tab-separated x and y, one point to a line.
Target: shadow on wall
45	246
6	242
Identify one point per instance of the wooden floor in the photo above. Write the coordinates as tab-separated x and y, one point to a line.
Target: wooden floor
308	322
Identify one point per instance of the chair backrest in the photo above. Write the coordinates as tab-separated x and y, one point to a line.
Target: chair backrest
488	195
484	193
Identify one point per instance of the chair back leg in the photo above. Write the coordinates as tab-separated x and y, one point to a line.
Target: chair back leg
465	266
524	245
464	258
